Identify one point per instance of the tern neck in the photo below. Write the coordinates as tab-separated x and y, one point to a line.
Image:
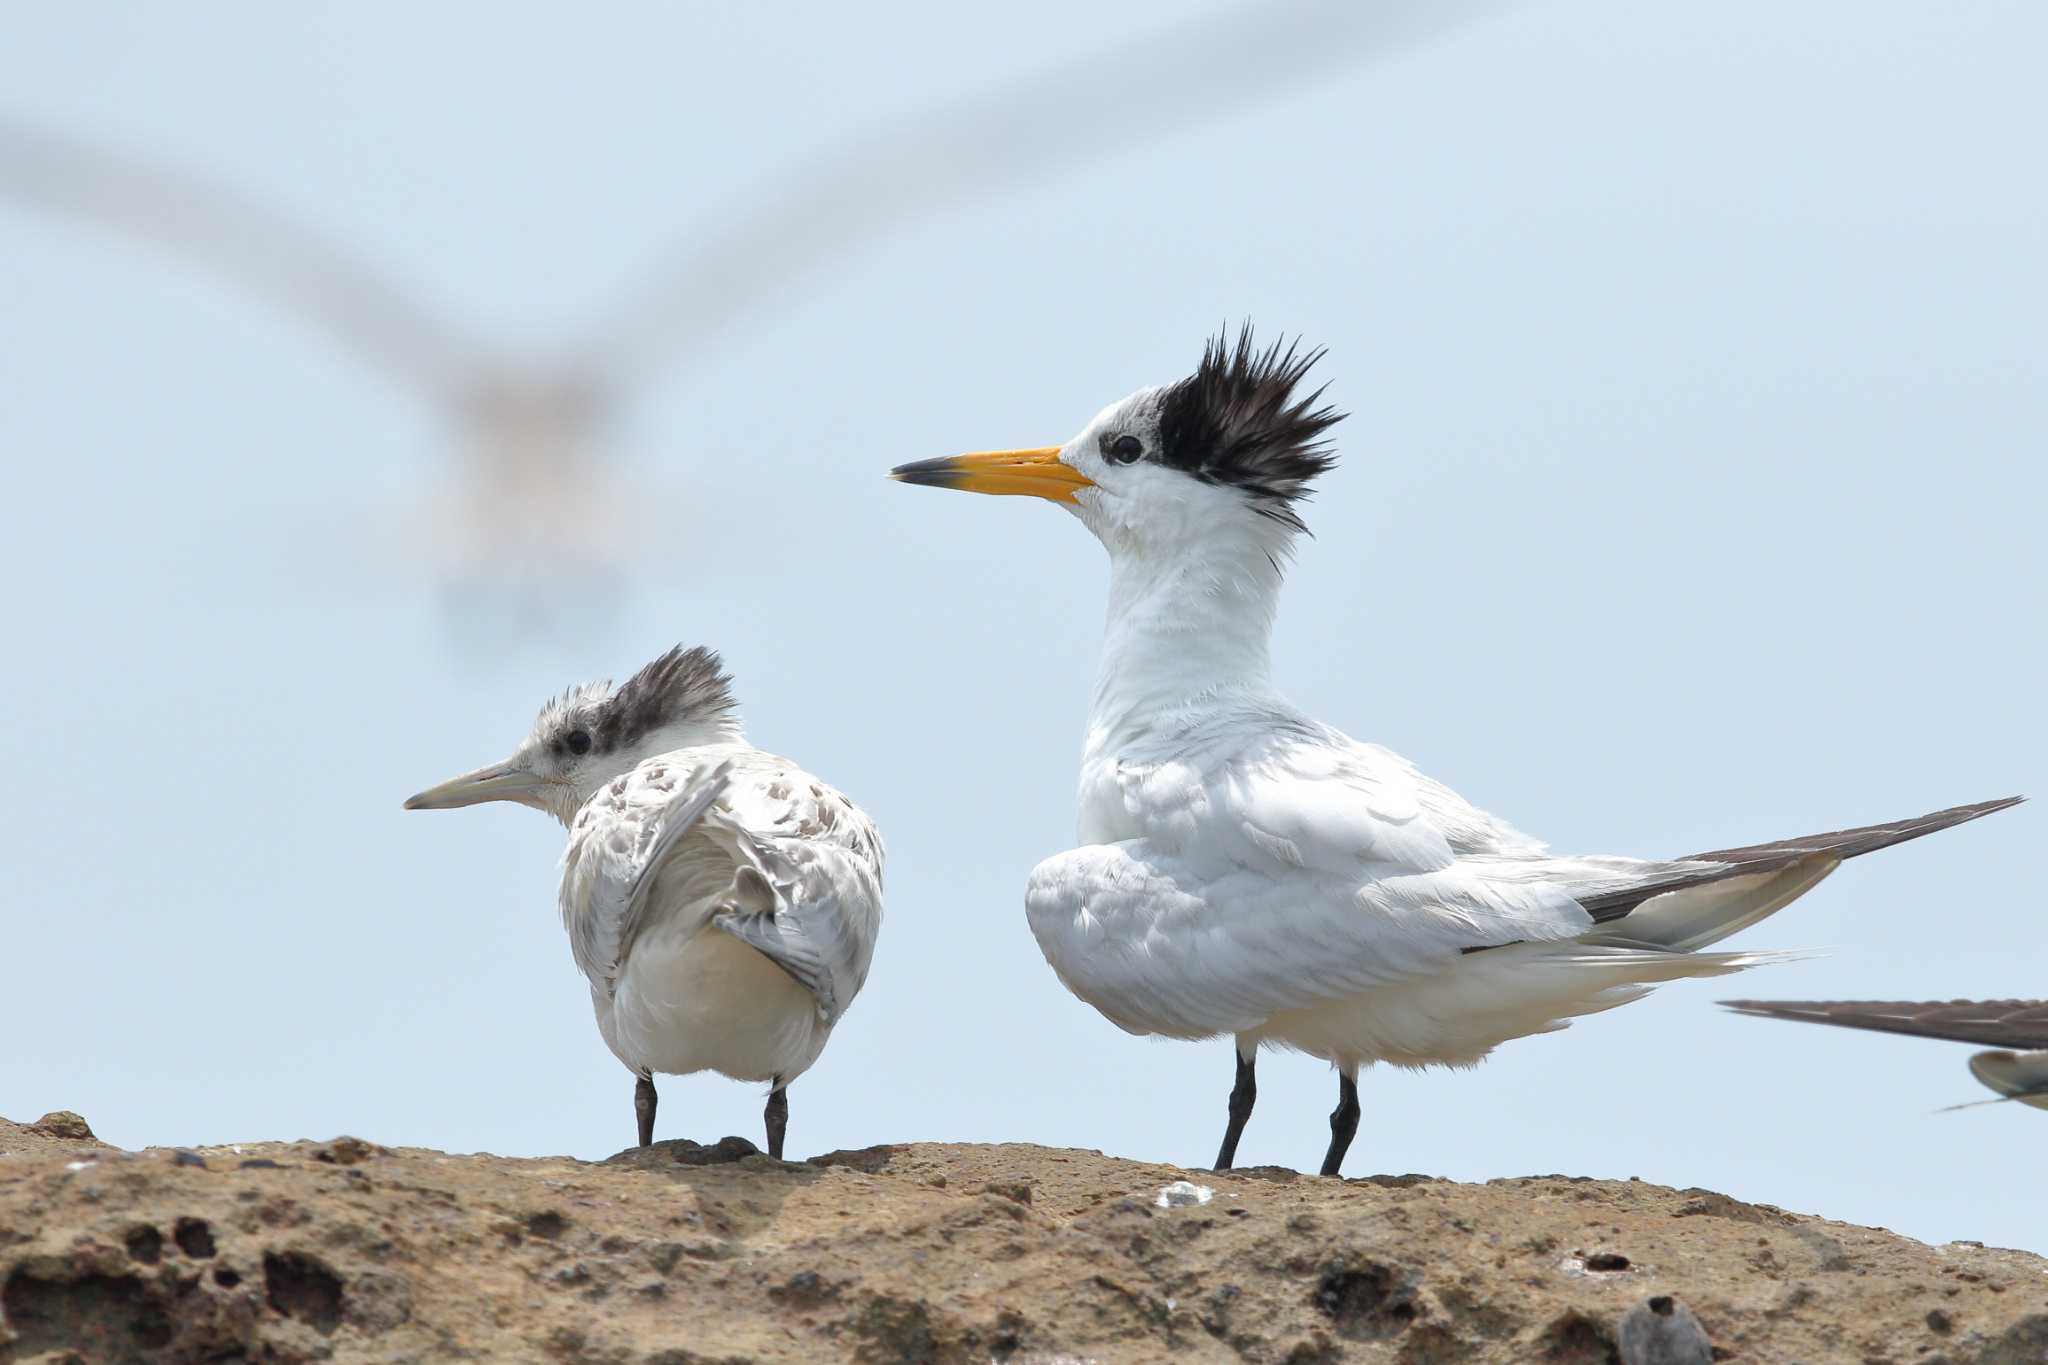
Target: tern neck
718	734
1183	627
564	801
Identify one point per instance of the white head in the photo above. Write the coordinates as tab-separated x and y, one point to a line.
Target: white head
1219	459
593	733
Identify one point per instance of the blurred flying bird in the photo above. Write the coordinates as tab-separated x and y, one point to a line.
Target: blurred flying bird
722	902
2017	1028
534	509
1249	870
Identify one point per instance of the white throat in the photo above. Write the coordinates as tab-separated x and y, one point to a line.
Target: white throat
1186	625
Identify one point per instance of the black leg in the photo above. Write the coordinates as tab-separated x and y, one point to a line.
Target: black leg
777	1116
1343	1123
1242	1095
643	1108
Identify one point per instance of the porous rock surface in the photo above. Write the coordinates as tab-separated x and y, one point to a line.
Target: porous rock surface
686	1255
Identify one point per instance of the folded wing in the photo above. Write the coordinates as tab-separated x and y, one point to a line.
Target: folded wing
807	881
1278	872
1281	864
756	847
621	843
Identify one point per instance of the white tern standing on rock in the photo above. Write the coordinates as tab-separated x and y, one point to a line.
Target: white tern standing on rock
1248	870
722	901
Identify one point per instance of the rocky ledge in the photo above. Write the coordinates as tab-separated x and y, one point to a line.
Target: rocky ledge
685	1255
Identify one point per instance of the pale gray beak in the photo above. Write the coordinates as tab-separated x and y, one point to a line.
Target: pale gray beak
499	782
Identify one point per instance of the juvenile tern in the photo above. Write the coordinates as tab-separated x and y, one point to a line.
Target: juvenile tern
1249	870
2018	1070
722	902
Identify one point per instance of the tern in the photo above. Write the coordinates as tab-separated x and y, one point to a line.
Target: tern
2018	1029
722	902
541	513
1248	870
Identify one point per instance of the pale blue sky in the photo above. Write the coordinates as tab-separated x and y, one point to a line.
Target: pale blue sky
1692	496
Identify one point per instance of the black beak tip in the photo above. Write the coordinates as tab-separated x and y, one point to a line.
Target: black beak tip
940	473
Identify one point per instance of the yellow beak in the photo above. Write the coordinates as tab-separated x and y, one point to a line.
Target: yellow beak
1030	473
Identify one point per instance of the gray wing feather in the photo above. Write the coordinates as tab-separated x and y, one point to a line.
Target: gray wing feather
618	910
2020	1024
781	938
782	915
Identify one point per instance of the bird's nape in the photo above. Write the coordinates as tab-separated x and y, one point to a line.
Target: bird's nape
1241	421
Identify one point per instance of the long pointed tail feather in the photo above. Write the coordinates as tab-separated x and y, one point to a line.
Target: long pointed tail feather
1854	843
1834	846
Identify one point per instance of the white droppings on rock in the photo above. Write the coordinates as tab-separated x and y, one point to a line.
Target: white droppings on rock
78	1165
1183	1194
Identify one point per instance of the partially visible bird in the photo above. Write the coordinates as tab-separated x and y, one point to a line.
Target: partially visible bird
722	902
1248	870
2018	1070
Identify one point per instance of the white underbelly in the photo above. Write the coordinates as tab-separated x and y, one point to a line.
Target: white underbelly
705	1001
1456	1016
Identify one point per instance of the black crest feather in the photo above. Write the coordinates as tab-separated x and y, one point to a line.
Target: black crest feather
683	683
1236	421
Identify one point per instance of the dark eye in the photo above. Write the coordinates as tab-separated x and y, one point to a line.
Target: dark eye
578	741
1125	449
